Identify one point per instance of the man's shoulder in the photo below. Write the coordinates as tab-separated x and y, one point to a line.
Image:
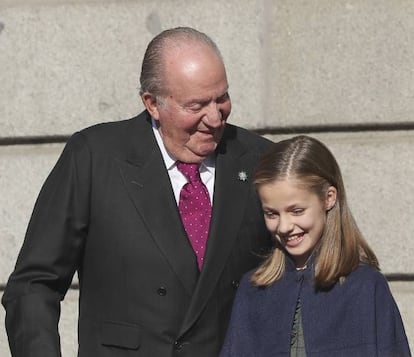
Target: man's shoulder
113	127
248	138
111	136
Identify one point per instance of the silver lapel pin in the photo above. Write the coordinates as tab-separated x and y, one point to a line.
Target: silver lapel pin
242	176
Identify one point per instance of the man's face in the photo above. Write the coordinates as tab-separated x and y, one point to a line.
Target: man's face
193	113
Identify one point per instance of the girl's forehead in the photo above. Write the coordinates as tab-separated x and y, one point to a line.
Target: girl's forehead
285	189
286	181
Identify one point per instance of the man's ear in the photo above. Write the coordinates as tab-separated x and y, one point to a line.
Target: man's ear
330	198
151	104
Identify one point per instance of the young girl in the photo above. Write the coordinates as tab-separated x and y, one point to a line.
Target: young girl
320	292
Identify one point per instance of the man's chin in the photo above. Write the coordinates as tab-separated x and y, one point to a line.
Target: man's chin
195	156
205	150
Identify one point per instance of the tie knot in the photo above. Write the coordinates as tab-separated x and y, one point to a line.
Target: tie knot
189	170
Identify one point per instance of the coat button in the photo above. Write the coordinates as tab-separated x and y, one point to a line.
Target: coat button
235	284
161	291
178	345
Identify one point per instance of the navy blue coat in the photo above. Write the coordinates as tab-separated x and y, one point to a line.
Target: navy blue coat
358	318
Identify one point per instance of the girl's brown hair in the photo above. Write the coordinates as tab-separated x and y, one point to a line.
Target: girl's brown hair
342	247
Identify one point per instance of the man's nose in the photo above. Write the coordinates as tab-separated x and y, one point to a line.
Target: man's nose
213	116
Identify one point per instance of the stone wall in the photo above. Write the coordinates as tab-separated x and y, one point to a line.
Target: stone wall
342	71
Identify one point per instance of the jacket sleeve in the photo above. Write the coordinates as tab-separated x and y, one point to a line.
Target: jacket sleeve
391	337
49	256
239	340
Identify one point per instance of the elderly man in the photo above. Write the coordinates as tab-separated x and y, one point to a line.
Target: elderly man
156	214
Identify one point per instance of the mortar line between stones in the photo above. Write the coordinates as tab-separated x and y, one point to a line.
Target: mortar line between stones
345	128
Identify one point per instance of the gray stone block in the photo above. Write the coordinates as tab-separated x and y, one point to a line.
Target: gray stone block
22	172
69	323
335	62
403	293
70	65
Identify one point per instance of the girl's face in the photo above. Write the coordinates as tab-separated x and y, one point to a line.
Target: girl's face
295	215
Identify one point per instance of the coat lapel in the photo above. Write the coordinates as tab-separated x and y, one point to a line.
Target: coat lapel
228	205
147	182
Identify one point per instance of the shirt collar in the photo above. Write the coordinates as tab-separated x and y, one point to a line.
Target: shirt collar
169	160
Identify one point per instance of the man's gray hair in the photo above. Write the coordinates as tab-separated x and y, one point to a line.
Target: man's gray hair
152	71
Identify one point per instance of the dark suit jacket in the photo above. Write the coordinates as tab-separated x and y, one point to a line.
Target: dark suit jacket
107	211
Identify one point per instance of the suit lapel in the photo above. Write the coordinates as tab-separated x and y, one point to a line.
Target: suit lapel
148	184
229	203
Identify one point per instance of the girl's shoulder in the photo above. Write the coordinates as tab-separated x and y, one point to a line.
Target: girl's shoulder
246	281
369	270
288	282
367	274
247	286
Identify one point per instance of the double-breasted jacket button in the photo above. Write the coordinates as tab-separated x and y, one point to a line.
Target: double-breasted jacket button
178	345
161	291
235	284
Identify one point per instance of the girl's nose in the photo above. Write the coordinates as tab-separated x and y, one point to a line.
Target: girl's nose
285	225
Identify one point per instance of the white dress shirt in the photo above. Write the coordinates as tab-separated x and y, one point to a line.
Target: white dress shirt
178	180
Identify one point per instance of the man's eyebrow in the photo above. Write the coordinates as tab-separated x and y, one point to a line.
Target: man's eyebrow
199	100
205	100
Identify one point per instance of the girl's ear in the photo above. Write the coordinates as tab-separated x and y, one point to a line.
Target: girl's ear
330	199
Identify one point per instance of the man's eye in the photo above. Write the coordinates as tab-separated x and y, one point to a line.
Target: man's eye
298	211
270	214
225	97
194	107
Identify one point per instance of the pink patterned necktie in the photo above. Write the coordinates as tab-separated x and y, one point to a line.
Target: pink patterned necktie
195	209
